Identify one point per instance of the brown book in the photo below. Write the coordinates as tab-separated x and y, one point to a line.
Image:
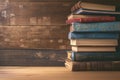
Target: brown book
94	42
92	65
93	49
93	6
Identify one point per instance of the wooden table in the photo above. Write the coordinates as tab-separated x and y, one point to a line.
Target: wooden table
53	73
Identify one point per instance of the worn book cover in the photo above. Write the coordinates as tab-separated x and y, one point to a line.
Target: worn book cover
91	19
93	49
83	11
93	6
95	27
93	56
94	42
93	35
92	65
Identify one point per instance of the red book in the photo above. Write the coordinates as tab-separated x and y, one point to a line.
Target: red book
90	19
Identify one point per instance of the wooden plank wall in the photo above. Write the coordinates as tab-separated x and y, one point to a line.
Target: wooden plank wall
35	25
33	33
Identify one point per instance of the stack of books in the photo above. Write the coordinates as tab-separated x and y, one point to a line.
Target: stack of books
94	35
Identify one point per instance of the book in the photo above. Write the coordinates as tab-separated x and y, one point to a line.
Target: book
95	19
93	35
93	6
95	12
74	16
93	56
94	42
93	49
95	27
92	65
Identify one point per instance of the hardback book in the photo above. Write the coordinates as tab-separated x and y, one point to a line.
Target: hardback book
94	42
92	19
94	12
93	6
93	35
93	56
93	49
95	27
92	65
74	16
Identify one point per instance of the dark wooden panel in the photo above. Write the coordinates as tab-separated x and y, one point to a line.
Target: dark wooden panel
73	1
32	57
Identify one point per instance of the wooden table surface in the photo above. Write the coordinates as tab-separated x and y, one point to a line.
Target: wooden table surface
54	73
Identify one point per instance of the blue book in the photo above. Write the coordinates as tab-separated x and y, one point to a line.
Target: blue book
94	12
93	56
92	35
96	27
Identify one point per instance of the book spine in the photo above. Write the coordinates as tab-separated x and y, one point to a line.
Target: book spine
95	19
73	35
94	27
95	56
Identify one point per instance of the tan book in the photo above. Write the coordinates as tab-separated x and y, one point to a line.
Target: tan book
93	49
74	16
94	42
93	6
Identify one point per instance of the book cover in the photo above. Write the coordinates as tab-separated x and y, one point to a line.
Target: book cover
92	65
93	6
83	11
93	49
94	42
95	27
93	56
74	16
92	19
93	35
